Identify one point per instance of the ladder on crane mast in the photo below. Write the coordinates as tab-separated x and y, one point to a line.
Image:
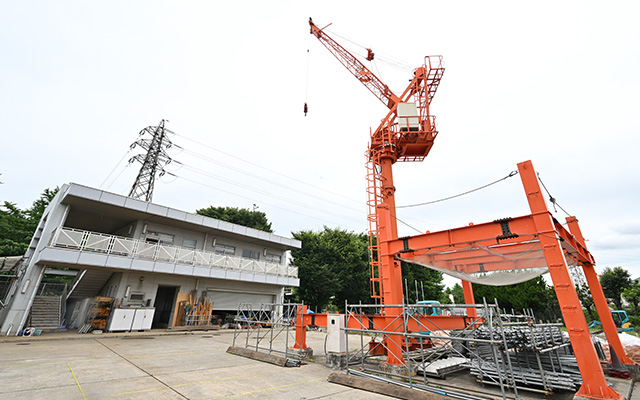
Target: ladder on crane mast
374	199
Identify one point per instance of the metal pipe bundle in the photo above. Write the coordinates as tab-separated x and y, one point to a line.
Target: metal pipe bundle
521	337
490	372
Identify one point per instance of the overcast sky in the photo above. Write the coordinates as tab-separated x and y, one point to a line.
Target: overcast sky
552	82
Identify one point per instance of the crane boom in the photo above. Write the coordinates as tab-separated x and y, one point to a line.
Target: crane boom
362	73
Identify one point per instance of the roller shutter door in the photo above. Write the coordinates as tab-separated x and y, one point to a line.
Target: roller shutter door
224	300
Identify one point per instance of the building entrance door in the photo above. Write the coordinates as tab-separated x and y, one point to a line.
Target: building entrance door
165	299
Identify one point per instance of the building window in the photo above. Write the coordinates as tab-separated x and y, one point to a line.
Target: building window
189	243
159	238
250	254
224	250
274	258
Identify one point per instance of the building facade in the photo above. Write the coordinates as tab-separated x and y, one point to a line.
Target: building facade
146	255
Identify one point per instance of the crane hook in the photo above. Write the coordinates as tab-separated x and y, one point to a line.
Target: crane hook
306	109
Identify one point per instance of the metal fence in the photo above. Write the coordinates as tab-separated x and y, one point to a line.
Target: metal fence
510	353
269	329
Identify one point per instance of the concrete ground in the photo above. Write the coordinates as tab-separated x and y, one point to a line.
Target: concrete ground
136	366
158	365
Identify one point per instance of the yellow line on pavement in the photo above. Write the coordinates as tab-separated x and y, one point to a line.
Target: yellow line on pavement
169	354
267	389
182	385
76	379
32	365
59	362
101	359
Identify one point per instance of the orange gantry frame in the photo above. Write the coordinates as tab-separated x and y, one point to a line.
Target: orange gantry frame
544	241
534	234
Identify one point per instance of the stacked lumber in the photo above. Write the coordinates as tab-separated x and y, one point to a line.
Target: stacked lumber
194	311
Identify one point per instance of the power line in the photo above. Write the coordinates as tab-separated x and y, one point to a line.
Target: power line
116	178
263	179
270	170
304	205
284	199
114	168
289	210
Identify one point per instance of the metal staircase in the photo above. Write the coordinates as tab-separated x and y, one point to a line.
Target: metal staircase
46	312
88	283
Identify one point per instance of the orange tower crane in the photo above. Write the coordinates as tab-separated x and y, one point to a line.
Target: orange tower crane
406	133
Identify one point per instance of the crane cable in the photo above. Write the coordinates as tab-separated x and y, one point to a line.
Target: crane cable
512	173
551	198
306	94
385	58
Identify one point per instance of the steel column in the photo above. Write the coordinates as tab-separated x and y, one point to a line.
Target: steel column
594	386
467	289
599	300
301	329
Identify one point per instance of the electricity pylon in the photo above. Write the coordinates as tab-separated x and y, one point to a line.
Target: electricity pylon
153	162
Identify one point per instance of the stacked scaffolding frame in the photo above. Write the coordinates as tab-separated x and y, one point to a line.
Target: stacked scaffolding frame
269	329
513	353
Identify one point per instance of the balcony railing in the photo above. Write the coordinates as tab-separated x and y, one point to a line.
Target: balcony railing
136	248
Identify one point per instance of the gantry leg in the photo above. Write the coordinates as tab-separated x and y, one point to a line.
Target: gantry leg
301	328
599	300
594	386
467	289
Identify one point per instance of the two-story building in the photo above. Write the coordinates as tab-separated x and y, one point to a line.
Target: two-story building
146	254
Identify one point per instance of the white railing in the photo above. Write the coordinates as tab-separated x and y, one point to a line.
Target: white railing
136	248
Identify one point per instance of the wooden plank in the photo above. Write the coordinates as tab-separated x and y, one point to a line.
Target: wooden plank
188	328
176	315
386	389
254	355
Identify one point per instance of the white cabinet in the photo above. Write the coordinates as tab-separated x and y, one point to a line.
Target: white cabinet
131	319
336	340
121	319
143	319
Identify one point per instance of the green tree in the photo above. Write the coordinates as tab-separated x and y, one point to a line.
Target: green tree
241	216
584	294
457	293
613	282
14	230
632	295
534	294
428	283
333	268
17	226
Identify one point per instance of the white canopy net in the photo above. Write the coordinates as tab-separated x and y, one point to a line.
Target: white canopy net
494	265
